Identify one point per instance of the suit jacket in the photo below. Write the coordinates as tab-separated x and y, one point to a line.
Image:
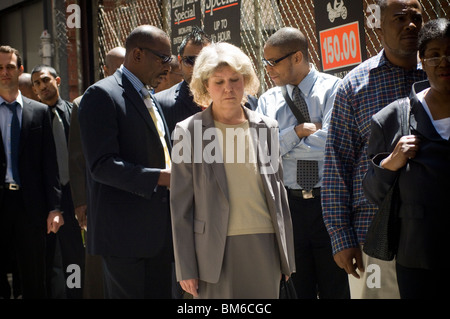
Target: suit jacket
37	163
200	205
177	104
128	212
424	182
77	162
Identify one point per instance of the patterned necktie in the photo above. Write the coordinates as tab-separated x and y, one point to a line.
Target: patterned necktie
15	139
307	171
149	103
62	154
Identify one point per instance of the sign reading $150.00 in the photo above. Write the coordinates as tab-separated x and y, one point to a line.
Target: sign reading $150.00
340	46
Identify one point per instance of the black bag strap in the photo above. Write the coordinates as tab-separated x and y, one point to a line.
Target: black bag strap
405	106
294	109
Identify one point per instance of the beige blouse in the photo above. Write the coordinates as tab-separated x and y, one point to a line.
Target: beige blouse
249	213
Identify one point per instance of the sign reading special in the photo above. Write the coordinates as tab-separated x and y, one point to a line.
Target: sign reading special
222	20
341	35
184	15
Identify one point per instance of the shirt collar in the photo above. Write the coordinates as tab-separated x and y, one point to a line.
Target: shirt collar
18	100
137	84
380	60
59	102
307	83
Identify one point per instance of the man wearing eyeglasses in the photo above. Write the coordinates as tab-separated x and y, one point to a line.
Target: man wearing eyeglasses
177	102
302	143
174	76
126	145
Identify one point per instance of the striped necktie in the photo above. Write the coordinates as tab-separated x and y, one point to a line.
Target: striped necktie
151	109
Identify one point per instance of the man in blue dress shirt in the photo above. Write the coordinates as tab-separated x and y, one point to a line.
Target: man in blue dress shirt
302	144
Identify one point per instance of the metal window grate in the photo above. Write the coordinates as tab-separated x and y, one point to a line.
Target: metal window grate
259	19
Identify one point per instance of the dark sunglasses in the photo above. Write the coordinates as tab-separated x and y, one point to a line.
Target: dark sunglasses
164	58
275	62
189	60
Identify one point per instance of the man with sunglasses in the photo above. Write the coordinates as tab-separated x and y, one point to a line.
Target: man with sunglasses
126	145
302	143
177	102
174	76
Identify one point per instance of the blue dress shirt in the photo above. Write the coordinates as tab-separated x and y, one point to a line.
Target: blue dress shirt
318	90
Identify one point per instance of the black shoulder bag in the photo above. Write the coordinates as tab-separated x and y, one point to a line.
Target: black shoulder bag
294	109
383	234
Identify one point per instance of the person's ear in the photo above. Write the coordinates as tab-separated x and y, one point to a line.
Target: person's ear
137	55
298	57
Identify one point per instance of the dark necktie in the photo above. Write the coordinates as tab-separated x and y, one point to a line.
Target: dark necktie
62	153
15	139
307	171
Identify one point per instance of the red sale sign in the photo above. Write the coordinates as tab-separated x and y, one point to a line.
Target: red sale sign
340	46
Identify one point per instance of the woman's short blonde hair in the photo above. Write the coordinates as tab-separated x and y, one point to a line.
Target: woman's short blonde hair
215	56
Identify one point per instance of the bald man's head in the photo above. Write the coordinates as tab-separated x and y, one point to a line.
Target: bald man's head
26	87
113	60
289	40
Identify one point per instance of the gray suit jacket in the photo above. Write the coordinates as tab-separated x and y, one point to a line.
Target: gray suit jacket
200	204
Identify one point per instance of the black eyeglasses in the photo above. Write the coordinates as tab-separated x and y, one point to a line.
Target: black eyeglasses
189	60
436	61
164	58
275	62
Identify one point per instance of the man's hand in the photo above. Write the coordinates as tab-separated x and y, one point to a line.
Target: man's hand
54	221
190	286
344	259
80	215
306	129
164	178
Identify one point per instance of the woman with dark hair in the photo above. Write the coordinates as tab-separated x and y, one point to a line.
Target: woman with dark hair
420	162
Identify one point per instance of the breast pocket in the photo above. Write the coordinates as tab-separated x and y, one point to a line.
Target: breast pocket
199	226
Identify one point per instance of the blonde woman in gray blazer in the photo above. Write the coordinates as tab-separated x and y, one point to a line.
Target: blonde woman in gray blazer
231	222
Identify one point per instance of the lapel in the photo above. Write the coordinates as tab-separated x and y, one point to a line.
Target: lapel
217	168
130	93
419	119
420	122
263	148
166	128
27	117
